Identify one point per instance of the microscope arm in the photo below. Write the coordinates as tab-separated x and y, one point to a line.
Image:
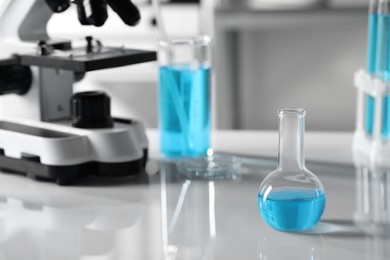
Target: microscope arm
23	21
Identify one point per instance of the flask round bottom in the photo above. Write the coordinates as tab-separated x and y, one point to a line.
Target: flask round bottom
292	210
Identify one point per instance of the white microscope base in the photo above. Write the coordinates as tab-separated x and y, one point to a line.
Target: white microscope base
59	152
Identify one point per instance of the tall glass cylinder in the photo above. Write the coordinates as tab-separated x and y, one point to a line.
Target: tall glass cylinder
184	97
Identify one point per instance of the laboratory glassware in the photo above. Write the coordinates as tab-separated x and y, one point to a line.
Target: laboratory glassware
291	198
383	59
184	96
378	64
371	62
213	166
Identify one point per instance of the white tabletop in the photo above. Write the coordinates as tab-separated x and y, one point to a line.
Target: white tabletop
165	215
332	147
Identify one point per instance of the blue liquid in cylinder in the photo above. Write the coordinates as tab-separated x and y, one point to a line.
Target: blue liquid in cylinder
292	210
184	111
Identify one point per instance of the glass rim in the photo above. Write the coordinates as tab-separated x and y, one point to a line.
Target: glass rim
201	40
291	111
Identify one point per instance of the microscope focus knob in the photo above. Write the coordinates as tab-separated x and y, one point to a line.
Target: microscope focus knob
91	109
15	79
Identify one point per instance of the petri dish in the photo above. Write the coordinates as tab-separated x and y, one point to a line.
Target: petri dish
216	166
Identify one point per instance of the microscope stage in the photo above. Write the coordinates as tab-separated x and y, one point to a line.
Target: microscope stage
79	60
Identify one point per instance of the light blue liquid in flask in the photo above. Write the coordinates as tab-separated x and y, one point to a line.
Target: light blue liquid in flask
184	110
292	210
291	198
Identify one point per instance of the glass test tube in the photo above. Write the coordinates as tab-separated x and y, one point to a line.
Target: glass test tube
382	67
378	61
371	62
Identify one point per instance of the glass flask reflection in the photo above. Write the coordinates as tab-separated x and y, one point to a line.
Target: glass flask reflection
291	198
275	245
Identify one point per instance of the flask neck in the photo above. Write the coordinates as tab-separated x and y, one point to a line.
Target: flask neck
291	132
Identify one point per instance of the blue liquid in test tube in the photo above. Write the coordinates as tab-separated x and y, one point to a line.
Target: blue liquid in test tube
371	62
184	105
382	67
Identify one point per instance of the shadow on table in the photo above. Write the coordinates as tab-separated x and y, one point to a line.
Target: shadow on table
339	228
101	181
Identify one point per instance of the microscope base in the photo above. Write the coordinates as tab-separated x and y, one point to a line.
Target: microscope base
64	175
61	153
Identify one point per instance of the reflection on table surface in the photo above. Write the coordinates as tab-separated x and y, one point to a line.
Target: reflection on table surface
163	214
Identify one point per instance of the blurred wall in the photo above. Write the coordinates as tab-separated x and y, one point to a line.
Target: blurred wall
271	60
310	68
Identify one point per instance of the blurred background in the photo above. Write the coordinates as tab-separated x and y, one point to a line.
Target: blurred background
268	54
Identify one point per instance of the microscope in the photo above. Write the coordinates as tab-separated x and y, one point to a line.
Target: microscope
46	131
